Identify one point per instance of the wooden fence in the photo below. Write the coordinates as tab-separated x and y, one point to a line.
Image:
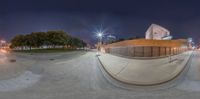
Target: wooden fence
145	51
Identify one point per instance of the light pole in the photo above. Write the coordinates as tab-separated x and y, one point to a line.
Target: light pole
100	36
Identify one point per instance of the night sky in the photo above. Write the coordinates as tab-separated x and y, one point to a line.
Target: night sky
82	18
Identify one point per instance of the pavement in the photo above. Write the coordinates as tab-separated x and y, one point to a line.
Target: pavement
77	75
10	69
192	79
145	71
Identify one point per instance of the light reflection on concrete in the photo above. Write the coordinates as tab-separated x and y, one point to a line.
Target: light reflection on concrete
3	56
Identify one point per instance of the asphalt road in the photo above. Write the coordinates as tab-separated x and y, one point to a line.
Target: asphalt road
77	75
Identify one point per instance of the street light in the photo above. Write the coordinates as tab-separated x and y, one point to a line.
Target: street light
100	36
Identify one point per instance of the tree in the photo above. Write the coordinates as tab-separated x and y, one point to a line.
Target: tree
18	41
50	38
58	38
38	38
29	41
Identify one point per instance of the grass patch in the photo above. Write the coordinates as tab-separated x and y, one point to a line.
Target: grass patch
48	50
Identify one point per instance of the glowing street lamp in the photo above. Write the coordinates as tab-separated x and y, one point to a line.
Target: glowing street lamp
100	36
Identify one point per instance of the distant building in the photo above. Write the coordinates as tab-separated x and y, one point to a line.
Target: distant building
157	32
110	39
2	43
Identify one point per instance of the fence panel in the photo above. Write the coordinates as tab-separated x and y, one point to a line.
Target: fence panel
147	51
162	51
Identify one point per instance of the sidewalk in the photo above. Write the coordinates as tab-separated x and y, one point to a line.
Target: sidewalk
144	72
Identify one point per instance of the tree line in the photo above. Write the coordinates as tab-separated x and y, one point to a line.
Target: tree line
49	39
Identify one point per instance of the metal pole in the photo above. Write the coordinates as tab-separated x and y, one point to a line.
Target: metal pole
170	58
100	43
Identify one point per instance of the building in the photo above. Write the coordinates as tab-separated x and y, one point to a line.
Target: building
2	43
157	32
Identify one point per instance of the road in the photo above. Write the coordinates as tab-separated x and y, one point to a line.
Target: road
77	75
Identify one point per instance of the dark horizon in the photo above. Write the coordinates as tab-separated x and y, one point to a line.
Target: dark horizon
83	18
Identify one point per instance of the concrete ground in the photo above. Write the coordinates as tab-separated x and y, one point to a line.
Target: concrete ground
145	71
77	75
